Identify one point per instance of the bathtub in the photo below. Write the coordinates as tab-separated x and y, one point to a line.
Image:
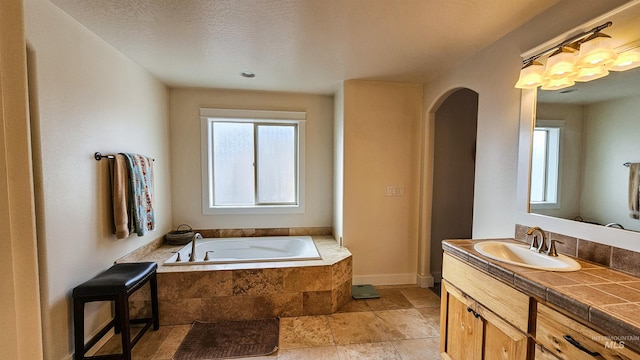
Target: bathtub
248	249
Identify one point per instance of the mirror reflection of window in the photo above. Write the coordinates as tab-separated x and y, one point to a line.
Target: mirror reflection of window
545	164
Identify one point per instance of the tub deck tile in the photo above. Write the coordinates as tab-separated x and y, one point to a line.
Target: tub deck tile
250	290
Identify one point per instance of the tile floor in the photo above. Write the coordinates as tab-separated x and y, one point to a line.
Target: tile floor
403	324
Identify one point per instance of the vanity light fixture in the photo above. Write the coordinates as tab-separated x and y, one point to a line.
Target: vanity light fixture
560	64
531	75
596	50
591	73
628	57
557	84
584	57
627	60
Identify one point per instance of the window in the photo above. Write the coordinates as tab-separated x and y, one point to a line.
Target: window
252	161
545	164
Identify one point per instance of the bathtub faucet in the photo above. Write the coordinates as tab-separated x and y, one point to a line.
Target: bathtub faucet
192	256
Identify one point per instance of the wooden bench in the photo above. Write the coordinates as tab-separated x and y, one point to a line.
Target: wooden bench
115	284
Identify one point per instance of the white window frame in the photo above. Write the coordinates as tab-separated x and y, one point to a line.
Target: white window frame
208	116
554	165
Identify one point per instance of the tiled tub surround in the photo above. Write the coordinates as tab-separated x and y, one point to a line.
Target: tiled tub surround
248	290
610	256
607	299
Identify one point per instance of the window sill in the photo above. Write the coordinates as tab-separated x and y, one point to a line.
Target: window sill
544	206
253	210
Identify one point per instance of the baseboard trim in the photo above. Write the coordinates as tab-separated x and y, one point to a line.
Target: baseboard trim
425	281
385	279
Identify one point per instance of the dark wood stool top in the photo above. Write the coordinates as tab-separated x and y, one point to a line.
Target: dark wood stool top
118	279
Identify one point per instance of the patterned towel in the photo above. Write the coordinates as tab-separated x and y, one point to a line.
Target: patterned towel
141	192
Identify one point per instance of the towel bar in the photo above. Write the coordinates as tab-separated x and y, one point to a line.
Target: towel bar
98	156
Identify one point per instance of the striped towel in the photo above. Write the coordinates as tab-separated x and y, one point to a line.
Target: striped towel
141	192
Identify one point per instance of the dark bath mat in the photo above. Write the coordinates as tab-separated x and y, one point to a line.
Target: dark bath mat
229	339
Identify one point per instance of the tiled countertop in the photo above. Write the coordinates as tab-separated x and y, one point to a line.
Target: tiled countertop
606	298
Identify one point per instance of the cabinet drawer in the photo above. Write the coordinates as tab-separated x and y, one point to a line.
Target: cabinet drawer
571	340
500	298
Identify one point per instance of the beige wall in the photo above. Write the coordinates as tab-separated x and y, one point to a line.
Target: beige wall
19	297
185	156
338	164
381	149
89	98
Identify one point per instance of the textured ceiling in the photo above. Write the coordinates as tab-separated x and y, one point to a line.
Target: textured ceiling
298	45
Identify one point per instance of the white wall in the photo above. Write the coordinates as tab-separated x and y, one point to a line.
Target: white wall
492	73
185	156
89	98
611	129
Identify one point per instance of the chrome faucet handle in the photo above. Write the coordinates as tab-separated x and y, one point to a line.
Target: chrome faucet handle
552	248
206	255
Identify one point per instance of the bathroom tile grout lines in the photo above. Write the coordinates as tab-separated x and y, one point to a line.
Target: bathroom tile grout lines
403	324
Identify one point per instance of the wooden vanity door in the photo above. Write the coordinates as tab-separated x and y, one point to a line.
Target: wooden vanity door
501	340
460	330
470	331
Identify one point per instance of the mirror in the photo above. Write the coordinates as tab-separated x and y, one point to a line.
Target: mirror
625	32
592	129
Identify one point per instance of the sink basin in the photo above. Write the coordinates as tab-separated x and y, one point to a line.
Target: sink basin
519	254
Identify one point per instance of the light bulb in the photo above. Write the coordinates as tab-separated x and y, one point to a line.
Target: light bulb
530	75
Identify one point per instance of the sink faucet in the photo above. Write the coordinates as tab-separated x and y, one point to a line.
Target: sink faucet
192	256
542	247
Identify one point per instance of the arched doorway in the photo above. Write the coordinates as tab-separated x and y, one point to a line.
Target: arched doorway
454	155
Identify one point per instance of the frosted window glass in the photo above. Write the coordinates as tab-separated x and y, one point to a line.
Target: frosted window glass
233	164
276	153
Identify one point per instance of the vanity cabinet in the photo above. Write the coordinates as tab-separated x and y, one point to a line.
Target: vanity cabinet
571	340
484	318
481	317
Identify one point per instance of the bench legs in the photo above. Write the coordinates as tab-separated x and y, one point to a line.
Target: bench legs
121	322
78	329
153	284
122	316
